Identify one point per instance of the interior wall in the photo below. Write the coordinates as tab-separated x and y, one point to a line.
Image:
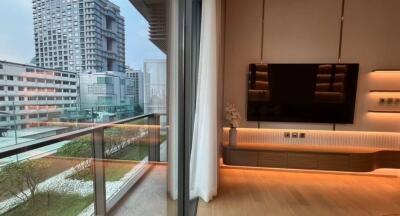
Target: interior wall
308	31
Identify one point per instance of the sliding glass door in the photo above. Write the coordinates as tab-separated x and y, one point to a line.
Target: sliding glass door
100	121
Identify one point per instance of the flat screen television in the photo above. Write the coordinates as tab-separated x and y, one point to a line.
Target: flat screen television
320	93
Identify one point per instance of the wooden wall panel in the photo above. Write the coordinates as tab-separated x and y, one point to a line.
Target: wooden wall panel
371	37
301	31
242	46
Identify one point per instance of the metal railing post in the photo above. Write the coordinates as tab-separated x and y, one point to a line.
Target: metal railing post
154	138
99	181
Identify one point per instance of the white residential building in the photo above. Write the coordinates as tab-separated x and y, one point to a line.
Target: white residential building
37	94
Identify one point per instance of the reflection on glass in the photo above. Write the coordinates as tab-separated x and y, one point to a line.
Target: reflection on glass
259	89
330	84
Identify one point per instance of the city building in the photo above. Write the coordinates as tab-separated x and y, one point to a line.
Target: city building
155	86
30	95
77	35
107	93
138	80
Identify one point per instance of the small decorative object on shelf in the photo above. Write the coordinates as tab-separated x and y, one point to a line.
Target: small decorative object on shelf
232	117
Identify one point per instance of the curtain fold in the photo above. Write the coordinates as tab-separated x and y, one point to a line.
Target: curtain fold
204	153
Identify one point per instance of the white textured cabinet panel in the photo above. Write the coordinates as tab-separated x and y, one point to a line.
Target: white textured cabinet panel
318	138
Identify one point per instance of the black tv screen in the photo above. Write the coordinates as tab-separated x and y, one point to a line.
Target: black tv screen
321	93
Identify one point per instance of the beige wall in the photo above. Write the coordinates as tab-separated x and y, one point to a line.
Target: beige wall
308	31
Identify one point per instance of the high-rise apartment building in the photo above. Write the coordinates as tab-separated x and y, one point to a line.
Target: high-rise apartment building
79	35
30	95
138	80
155	86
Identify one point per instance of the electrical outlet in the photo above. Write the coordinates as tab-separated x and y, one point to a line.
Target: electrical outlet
295	135
286	134
302	135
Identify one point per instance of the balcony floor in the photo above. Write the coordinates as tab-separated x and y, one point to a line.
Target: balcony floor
148	198
272	192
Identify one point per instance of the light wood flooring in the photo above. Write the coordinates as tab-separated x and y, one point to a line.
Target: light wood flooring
256	192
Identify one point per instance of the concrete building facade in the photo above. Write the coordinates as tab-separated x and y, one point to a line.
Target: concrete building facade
155	86
34	94
79	35
138	81
107	92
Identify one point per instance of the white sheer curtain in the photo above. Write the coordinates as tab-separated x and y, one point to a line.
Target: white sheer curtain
204	163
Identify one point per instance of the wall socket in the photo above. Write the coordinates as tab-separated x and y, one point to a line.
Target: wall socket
389	101
295	135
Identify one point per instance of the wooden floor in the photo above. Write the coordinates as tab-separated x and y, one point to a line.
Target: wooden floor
267	192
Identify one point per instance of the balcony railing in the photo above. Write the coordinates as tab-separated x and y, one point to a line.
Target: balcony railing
84	172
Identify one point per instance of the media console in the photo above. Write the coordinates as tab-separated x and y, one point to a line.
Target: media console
311	157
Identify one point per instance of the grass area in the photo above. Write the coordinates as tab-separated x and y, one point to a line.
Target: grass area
80	147
114	172
134	152
52	204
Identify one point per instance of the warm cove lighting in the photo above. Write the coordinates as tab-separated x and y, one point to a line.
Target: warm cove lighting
384	80
268	130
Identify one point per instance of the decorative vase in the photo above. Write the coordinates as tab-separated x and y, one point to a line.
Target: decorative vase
232	136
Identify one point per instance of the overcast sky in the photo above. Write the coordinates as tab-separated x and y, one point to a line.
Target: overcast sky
17	41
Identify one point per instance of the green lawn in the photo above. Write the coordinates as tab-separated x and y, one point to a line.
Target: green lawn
135	152
116	170
52	204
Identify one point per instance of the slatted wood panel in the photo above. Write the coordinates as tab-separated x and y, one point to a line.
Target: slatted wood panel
348	139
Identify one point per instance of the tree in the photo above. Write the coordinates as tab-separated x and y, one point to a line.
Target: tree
21	179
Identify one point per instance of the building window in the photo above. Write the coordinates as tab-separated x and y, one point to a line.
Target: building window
1	66
11	78
2	98
3	118
32	116
3	108
20	79
104	80
10	88
1	88
20	88
11	98
30	70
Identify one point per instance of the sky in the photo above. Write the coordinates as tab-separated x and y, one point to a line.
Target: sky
17	40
